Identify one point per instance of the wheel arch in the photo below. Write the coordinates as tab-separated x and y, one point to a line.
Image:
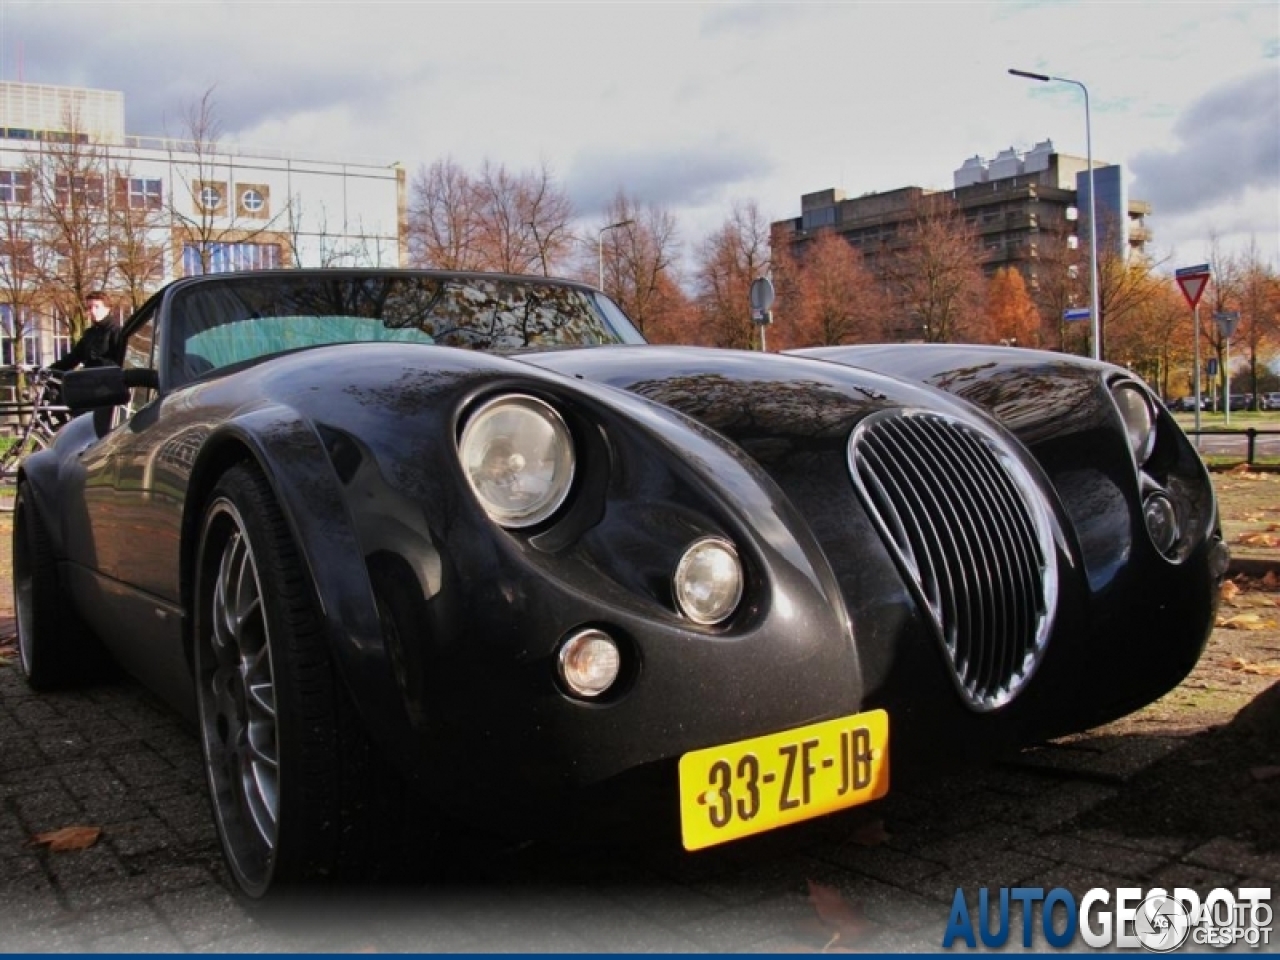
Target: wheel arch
294	461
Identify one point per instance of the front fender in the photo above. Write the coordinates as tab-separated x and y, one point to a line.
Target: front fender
298	466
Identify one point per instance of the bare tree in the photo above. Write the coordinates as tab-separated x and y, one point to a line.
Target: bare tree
205	214
728	261
70	221
935	277
1259	309
20	272
139	233
639	261
496	220
444	218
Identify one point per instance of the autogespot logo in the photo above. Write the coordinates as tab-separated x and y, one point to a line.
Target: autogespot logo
1157	920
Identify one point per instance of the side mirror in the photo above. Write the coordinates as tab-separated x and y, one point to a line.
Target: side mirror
98	387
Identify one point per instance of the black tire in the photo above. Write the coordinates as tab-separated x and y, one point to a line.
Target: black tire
298	794
55	649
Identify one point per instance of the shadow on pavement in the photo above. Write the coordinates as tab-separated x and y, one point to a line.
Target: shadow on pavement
1224	782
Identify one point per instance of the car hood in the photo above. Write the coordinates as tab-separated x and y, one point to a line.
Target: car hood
770	405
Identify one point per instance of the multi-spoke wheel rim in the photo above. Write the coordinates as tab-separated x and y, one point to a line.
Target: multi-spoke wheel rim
237	700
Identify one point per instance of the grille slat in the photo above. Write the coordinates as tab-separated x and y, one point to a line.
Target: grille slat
965	521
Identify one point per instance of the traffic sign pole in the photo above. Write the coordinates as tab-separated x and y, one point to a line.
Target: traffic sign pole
1195	312
1193	280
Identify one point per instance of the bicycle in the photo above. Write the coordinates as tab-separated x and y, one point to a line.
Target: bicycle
48	414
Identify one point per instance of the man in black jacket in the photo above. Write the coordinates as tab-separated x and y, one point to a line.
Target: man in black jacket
101	345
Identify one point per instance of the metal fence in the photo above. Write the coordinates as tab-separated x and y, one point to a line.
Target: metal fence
1246	443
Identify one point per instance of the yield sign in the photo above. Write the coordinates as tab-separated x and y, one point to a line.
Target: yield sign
1193	280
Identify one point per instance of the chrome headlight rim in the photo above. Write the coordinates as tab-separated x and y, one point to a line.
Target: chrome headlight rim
561	446
589	663
1138	416
723	611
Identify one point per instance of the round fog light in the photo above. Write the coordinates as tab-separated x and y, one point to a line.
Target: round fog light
708	581
1162	521
589	663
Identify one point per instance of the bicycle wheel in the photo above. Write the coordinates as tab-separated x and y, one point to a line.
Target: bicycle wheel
31	440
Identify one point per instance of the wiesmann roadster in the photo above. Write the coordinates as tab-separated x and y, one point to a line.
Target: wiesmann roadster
403	542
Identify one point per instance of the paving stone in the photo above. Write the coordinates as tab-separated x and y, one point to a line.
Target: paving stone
149	940
885	863
1197	877
47	809
1163	846
1235	857
1005	868
738	927
1062	806
1096	856
201	914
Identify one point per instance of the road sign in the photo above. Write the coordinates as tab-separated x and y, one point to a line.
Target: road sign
1227	321
761	293
1192	280
1075	313
1211	366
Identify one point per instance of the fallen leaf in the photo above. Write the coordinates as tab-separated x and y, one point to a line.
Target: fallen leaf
1255	669
1264	773
843	918
1230	590
69	838
1258	540
1245	621
1240	469
1271	581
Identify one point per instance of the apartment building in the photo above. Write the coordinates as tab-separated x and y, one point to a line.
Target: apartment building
201	205
1025	210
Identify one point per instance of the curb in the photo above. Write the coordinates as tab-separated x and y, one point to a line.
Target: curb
1252	567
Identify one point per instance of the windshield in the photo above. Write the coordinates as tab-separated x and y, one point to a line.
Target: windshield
235	319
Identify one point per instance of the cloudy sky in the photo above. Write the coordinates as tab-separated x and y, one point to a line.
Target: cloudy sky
696	106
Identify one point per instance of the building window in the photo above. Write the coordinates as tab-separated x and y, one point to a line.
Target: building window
230	257
144	194
9	343
211	197
252	200
81	190
15	186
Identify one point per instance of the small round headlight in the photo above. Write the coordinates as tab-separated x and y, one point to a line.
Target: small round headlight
518	457
1138	418
589	663
708	581
1162	521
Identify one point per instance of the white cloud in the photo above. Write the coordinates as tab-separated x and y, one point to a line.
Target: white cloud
695	104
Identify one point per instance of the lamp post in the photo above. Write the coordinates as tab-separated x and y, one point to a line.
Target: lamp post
1095	318
600	245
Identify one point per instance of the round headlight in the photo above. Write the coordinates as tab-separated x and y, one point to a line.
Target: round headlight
518	457
589	663
1139	421
708	581
1162	521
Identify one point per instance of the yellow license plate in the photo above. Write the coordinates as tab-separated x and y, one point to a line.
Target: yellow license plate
755	785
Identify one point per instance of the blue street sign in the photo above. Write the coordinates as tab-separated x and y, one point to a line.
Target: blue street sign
1075	313
1211	366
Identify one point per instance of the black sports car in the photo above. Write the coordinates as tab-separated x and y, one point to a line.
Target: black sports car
407	541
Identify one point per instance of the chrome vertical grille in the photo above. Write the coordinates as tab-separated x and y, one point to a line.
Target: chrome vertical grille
966	523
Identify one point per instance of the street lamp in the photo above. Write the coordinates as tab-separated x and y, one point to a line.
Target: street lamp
600	245
1094	314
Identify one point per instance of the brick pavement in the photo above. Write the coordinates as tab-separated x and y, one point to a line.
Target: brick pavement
115	758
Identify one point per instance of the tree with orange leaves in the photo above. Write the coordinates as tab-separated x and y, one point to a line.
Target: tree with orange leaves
1012	315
